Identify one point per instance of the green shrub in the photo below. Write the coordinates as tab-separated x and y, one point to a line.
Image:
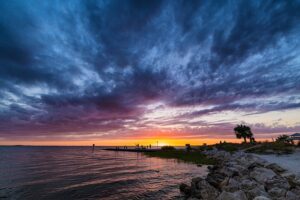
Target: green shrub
205	148
182	155
283	138
167	148
273	147
230	147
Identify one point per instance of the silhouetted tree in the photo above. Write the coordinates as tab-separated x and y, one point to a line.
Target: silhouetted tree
243	131
283	138
252	140
188	147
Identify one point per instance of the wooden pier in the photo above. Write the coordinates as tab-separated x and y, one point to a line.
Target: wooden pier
131	150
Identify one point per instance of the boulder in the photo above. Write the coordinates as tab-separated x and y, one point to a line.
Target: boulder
195	182
269	151
255	192
224	183
275	168
247	184
184	188
213	168
261	198
288	175
296	190
277	193
215	179
231	186
253	165
223	155
196	179
277	182
234	170
238	195
205	191
250	161
296	181
261	174
291	196
191	198
259	160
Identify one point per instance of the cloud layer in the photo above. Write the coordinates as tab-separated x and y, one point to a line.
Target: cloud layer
112	69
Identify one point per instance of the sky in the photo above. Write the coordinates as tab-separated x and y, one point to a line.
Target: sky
126	72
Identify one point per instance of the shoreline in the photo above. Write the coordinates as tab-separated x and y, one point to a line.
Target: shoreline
243	176
291	162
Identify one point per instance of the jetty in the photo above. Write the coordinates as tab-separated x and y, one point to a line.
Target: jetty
131	150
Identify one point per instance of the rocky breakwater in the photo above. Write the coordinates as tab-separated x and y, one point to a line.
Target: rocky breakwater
242	176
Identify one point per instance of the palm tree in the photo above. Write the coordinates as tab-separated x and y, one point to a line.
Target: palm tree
243	131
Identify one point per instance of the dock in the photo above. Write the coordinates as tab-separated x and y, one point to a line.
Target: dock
132	150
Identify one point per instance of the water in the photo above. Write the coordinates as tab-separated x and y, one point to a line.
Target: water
77	173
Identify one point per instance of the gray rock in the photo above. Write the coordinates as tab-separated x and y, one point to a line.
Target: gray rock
261	174
296	181
291	196
197	179
238	195
275	168
195	182
296	190
215	179
257	191
205	191
184	188
192	198
270	151
277	182
231	186
247	184
224	183
252	165
261	198
277	193
260	160
251	161
234	170
288	175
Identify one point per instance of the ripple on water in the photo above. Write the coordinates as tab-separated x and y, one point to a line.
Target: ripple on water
77	173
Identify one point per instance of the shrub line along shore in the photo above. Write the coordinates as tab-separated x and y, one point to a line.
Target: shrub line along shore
181	155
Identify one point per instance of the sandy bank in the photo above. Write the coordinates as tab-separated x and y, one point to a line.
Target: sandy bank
291	162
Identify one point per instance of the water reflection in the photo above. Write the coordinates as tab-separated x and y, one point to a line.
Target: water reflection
77	173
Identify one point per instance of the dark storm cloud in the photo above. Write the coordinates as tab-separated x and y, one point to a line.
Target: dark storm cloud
257	26
252	108
84	66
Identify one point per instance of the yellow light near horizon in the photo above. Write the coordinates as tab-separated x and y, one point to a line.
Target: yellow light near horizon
163	144
127	142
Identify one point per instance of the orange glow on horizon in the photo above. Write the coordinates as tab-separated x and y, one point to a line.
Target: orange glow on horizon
125	142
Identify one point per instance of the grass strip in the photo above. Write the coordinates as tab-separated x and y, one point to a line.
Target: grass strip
195	157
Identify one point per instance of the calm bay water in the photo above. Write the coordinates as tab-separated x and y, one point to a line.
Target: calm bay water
77	173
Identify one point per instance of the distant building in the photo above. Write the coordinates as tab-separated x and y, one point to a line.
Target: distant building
295	136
